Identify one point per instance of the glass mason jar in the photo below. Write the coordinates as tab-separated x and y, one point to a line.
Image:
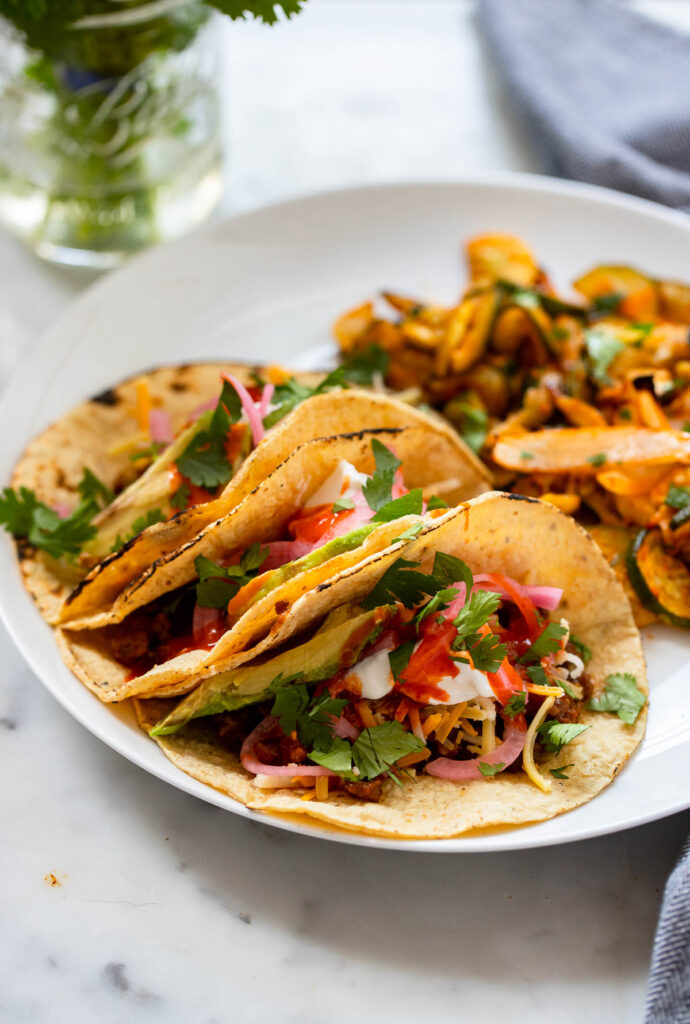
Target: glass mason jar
109	128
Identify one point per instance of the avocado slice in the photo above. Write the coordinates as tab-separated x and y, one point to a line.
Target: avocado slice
339	545
326	653
151	490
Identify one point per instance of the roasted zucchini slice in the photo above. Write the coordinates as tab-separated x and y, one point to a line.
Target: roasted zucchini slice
661	581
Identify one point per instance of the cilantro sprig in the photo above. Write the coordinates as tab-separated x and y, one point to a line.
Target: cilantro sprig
361	368
154	515
378	489
556	735
622	696
212	590
602	349
204	461
548	642
402	582
27	518
373	753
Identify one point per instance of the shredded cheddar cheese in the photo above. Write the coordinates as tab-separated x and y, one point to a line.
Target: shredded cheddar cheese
488	736
544	691
367	719
449	722
430	723
413	758
528	751
321	788
143	408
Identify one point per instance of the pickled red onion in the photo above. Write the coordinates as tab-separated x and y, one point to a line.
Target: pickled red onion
61	509
265	400
249	406
251	764
344	729
547	598
160	426
462	771
282	551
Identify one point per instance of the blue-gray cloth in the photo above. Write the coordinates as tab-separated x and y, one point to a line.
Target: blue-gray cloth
606	96
605	91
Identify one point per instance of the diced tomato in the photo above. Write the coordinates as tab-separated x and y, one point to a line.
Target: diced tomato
430	662
314	523
197	495
505	682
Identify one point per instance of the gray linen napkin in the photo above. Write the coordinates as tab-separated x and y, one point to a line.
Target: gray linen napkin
668	993
606	92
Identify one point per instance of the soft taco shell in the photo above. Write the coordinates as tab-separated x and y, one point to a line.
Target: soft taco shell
261	517
86	437
534	543
336	412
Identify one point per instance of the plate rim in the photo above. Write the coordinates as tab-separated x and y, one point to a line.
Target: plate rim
512	838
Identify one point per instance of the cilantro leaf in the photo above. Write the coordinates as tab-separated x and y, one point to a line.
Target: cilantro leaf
678	497
582	649
548	642
487	652
154	515
516	704
622	696
440	600
315	725
597	460
378	489
204	465
152	451
212	589
285	397
204	461
602	349
181	496
490	769
559	773
450	569
607	303
338	757
410	533
25	517
401	582
409	504
538	675
289	704
474	425
399	658
17	510
557	734
342	504
92	489
435	502
476	612
363	366
376	750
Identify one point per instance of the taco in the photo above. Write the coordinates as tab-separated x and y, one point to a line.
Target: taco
235	588
96	500
489	674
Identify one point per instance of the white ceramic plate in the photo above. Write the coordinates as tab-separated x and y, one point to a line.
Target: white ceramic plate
265	287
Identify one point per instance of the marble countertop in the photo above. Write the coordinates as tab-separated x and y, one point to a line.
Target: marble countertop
124	899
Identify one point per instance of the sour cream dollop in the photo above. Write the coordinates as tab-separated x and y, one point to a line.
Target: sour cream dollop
344	482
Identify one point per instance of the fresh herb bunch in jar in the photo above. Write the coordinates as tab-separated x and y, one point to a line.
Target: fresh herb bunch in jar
109	136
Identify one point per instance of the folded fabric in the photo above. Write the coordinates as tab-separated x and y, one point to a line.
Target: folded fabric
604	90
668	994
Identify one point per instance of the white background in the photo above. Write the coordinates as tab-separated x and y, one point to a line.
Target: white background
171	910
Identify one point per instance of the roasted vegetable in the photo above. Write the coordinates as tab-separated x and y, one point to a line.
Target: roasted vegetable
661	581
